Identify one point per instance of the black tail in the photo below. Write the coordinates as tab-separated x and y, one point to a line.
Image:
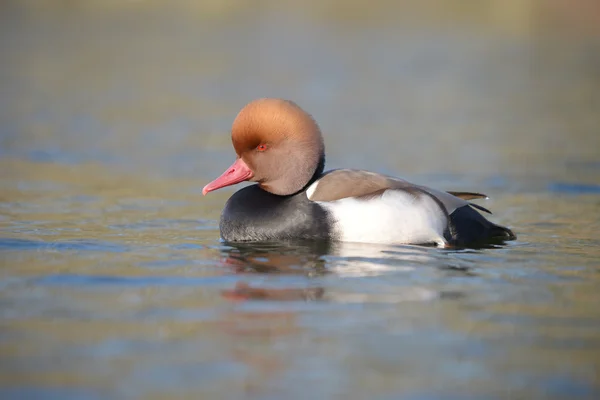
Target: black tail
470	229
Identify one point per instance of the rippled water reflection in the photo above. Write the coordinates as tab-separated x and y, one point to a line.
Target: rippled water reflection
114	283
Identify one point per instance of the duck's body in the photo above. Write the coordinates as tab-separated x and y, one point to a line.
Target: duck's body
393	217
282	149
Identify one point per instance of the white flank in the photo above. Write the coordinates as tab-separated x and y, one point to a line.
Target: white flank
396	217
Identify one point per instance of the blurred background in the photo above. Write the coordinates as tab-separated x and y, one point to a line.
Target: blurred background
115	114
478	87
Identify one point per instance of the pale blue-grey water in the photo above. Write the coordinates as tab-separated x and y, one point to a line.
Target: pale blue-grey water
114	283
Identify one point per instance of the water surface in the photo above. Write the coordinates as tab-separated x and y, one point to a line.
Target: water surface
114	283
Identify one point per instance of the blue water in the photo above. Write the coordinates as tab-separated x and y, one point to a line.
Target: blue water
114	282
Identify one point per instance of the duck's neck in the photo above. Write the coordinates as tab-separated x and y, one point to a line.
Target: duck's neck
316	175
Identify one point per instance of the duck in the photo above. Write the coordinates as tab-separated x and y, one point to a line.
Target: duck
279	146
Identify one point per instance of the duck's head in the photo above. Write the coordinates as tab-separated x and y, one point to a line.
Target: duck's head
278	145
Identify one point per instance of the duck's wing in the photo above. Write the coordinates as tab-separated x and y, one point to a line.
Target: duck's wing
469	195
343	183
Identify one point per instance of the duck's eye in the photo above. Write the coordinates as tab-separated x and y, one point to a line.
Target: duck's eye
261	147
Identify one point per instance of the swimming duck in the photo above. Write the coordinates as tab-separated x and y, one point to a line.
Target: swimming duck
280	146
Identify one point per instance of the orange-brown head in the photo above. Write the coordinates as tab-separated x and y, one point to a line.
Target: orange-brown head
278	145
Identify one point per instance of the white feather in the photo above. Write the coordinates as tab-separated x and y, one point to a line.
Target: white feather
396	217
311	189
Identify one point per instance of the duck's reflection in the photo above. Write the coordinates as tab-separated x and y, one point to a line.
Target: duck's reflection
315	259
294	258
244	291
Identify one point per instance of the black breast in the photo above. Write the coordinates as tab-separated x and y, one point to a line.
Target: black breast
253	214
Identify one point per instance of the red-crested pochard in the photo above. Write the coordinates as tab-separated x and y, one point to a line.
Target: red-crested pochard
279	146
